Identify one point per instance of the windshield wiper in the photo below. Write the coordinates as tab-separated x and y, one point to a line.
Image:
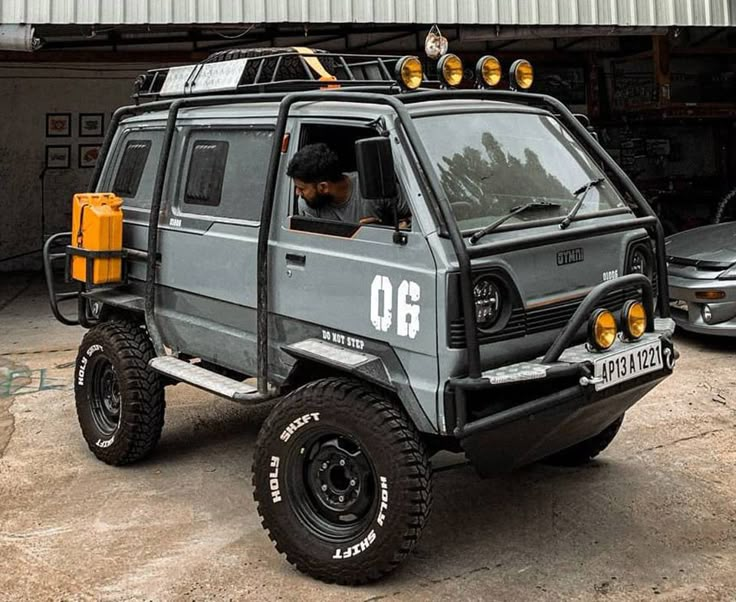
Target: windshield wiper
514	211
583	192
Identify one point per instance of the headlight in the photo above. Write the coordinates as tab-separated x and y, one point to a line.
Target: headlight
729	274
602	329
522	75
488	72
409	72
641	262
450	70
633	319
487	297
707	314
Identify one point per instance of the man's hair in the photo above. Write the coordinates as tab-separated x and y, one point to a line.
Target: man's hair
315	163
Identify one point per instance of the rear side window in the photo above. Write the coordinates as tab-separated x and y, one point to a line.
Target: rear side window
130	172
134	168
206	173
225	173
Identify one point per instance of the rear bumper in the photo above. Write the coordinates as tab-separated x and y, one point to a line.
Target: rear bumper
570	407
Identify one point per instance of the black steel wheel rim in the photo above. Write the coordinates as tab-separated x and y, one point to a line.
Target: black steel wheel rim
331	485
105	396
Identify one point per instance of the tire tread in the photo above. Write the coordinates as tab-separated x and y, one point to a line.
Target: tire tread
143	417
410	456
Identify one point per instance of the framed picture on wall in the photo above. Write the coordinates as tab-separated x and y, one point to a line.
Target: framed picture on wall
88	154
58	156
91	125
58	124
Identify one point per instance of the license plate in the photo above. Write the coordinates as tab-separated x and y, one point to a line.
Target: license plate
679	304
627	364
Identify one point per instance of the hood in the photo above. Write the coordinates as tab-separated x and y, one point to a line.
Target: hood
712	244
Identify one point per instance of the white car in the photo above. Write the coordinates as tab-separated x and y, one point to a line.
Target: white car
701	265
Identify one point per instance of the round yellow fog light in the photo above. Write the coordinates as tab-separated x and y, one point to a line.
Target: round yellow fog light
522	75
602	329
450	70
488	72
634	319
409	72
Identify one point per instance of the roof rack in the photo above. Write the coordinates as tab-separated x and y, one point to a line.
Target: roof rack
268	70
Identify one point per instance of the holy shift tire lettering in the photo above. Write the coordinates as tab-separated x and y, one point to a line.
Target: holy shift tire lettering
342	481
119	399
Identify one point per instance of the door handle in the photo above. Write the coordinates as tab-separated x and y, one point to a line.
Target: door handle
296	260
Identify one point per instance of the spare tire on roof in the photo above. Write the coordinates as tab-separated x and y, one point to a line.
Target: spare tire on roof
291	67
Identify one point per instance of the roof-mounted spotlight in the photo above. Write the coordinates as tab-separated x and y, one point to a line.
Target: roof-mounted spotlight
521	75
450	70
488	72
409	72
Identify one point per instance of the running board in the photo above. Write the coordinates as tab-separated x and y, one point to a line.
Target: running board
207	380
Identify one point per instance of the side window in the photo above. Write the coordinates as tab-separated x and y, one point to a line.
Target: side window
206	173
134	172
225	173
352	211
130	172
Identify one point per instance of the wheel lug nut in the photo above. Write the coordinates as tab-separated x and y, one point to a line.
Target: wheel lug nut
324	487
342	462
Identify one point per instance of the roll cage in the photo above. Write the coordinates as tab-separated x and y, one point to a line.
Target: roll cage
387	94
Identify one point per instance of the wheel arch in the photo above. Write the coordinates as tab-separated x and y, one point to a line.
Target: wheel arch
318	359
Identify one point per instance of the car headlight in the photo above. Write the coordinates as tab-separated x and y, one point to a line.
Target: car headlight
633	320
521	75
729	274
450	70
409	72
488	72
641	262
487	299
602	329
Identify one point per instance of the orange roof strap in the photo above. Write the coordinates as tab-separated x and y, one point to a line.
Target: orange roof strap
311	59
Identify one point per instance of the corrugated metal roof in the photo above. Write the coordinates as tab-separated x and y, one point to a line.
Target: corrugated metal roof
465	12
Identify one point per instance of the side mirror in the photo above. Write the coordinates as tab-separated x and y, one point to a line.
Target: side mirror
376	168
585	121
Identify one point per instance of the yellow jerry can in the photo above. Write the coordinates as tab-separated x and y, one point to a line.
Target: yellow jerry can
97	227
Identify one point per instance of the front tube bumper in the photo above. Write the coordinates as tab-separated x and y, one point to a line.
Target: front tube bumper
575	403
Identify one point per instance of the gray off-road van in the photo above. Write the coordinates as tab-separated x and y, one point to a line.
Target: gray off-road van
515	317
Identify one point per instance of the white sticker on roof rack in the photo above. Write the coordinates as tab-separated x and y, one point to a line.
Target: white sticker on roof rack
213	77
176	79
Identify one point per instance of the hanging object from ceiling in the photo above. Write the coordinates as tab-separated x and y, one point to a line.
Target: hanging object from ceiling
435	44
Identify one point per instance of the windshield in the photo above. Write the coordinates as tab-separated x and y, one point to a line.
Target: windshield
491	163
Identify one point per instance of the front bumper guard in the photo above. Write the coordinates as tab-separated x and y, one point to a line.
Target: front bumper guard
570	414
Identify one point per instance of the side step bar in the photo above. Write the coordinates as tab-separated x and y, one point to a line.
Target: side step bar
207	380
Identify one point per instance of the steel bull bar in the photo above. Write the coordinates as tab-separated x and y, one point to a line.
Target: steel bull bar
571	409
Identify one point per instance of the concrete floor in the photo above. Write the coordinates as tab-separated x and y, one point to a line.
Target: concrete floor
653	518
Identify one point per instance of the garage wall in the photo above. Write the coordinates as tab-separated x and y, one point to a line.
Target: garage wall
511	12
27	95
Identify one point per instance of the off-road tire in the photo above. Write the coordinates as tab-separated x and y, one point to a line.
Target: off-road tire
585	451
291	67
400	494
113	358
724	210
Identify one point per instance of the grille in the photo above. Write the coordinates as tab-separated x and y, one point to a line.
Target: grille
550	317
516	327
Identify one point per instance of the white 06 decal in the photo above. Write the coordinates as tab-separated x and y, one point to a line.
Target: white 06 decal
407	308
